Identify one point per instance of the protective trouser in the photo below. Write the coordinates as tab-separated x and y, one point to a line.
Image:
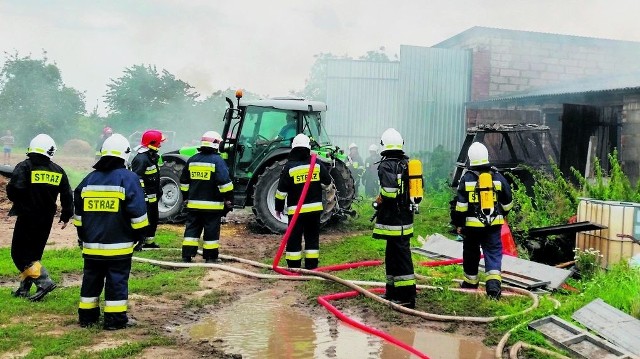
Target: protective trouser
401	280
489	239
309	225
113	276
152	216
196	223
30	236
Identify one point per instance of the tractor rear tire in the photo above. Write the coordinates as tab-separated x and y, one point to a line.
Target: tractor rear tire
344	183
264	202
170	205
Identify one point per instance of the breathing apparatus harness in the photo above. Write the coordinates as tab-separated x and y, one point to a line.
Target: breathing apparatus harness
485	195
413	183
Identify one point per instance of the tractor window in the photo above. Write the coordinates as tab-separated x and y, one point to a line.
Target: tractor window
312	127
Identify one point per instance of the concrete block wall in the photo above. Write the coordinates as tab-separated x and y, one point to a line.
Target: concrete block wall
505	64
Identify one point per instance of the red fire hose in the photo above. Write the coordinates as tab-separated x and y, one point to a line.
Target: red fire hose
324	299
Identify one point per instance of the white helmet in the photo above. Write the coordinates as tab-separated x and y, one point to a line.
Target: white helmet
391	140
301	140
42	144
116	145
478	154
352	145
373	148
211	139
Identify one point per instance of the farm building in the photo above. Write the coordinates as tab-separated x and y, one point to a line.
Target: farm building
586	89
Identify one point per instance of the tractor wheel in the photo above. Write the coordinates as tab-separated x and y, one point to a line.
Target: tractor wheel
344	184
170	204
264	202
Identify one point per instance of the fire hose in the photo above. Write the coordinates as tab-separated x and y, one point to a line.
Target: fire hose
305	274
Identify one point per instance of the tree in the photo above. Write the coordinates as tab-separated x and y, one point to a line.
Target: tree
34	99
316	85
144	98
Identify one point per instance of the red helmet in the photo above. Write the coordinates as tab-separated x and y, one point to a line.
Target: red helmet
107	130
152	139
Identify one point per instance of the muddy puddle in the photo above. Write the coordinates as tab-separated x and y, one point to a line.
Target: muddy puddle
261	326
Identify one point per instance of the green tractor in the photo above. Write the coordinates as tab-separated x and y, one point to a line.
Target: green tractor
257	138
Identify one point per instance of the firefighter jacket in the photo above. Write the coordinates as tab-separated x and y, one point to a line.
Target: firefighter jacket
467	211
370	176
205	182
34	188
395	213
110	212
355	164
145	165
292	179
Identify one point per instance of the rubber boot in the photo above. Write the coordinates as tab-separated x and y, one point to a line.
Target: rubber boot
493	289
149	242
24	288
294	263
44	285
467	285
389	293
310	263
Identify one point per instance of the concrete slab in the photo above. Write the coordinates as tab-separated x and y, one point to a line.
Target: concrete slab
612	324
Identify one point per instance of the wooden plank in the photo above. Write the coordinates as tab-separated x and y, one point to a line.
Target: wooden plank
612	324
440	244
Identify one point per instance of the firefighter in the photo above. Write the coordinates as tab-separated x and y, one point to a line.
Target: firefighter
292	180
145	165
394	219
106	133
34	188
355	164
110	217
370	176
207	187
483	200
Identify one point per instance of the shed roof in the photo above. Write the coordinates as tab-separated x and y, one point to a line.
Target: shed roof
629	82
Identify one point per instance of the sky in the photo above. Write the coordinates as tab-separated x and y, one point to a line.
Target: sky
268	46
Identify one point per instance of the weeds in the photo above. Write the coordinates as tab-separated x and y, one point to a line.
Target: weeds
587	262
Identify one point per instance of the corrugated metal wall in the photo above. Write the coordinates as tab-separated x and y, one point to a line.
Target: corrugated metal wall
362	100
423	96
434	85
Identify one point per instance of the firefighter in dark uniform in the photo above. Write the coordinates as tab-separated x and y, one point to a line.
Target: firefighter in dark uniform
145	165
33	189
394	220
370	176
292	180
483	200
110	216
207	187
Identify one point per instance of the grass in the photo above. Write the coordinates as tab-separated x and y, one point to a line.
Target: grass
27	325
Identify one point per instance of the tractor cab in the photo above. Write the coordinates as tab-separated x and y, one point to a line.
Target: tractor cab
259	132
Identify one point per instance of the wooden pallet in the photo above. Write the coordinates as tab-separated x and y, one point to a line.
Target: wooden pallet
578	342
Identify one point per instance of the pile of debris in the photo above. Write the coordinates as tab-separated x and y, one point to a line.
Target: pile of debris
5	204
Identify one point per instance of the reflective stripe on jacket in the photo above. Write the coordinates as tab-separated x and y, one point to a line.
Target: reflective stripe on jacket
205	182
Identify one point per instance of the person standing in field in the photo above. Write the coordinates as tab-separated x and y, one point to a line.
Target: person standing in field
7	144
110	217
34	188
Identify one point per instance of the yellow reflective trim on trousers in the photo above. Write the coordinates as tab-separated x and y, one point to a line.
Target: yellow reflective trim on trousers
404	283
394	232
497	277
293	257
461	208
152	200
115	309
107	252
470	280
190	243
206	245
312	254
77	223
281	195
184	187
92	305
205	205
